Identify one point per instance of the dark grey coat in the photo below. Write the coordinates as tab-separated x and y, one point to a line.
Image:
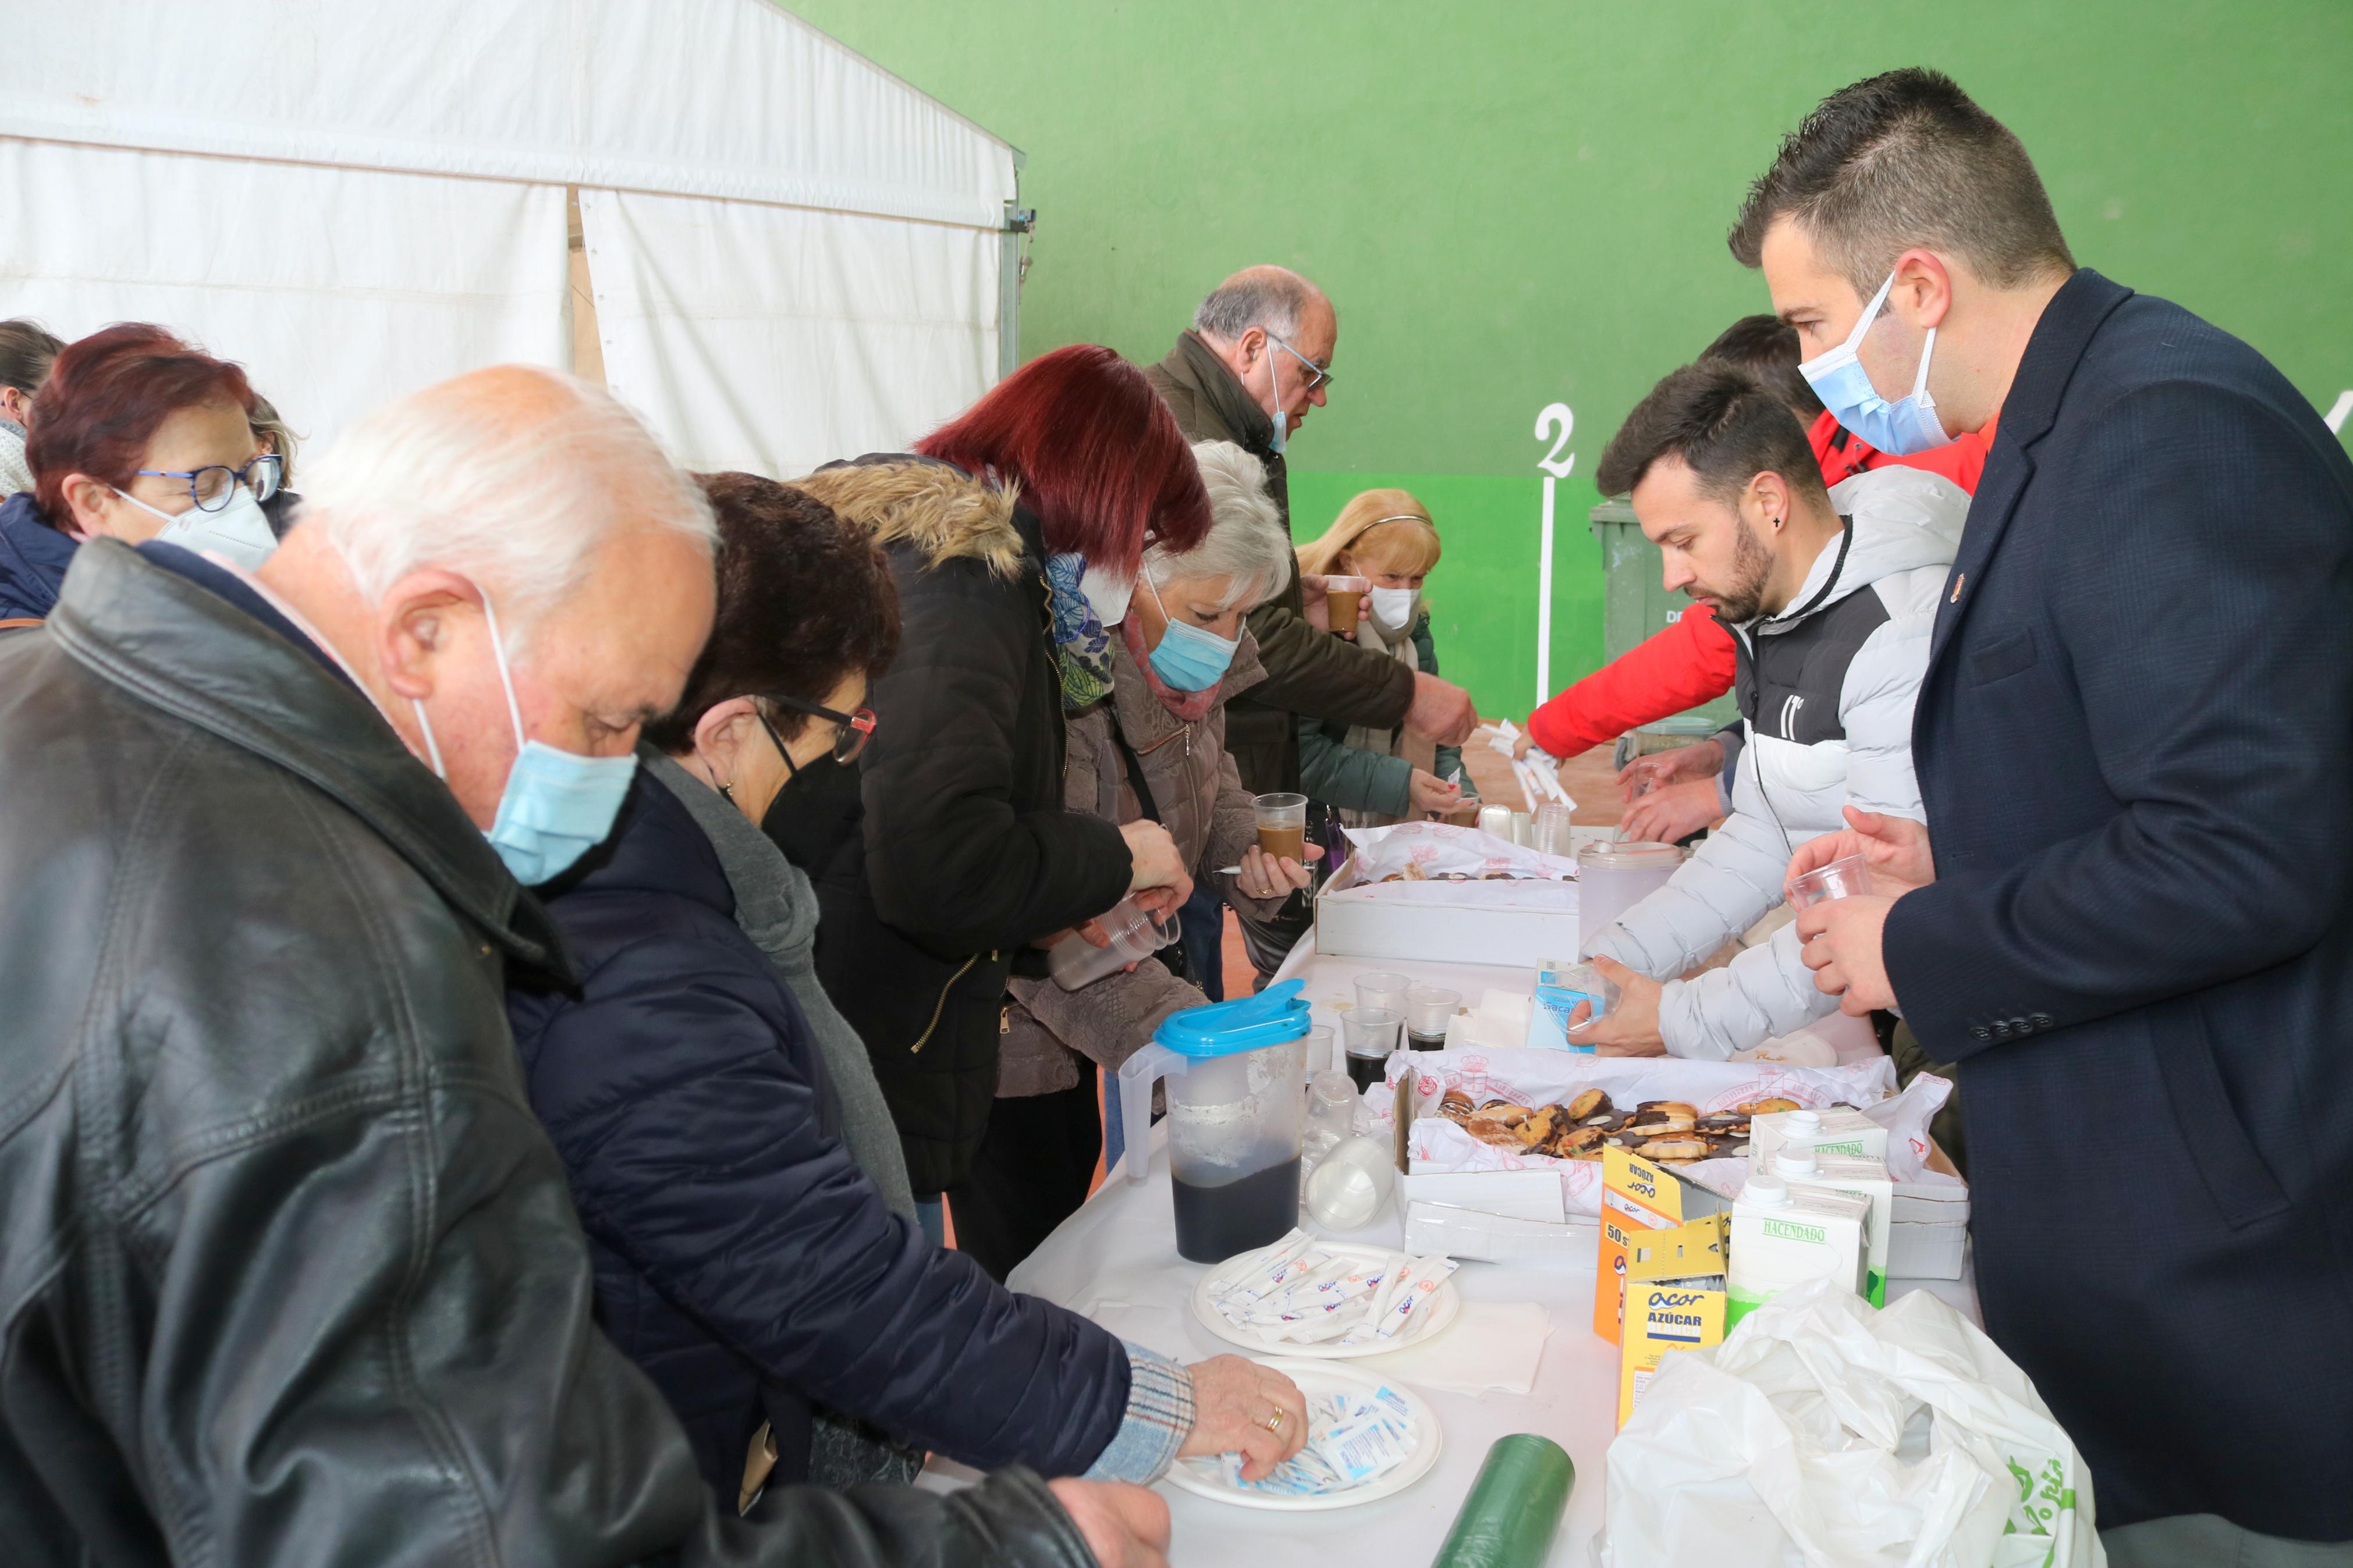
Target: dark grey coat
288	1272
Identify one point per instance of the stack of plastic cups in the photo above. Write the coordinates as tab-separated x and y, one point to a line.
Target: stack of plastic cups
1075	962
1552	830
1331	1120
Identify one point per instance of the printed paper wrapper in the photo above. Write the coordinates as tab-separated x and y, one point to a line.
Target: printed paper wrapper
1438	1146
1443	864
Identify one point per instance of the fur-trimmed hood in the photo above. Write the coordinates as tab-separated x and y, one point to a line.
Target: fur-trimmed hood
943	512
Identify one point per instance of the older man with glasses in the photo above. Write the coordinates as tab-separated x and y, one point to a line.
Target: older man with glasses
1256	358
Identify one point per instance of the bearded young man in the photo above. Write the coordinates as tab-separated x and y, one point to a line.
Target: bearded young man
1828	594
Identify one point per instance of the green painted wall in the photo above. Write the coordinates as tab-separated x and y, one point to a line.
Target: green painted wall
1518	204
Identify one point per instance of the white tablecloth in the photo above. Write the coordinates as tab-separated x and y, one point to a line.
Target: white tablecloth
1115	1261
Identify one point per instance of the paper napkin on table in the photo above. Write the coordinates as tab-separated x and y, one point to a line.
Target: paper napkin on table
1490	1345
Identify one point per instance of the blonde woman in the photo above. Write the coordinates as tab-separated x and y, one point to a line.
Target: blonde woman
1368	777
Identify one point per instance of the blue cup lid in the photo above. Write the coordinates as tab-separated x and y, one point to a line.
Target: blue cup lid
1223	1028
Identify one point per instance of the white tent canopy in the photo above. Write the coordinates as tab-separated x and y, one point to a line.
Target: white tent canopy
794	255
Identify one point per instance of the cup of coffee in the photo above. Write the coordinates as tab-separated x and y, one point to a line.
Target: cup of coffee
1371	1034
1283	825
1428	1010
1342	595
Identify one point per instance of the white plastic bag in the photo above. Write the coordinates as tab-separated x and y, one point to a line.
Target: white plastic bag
1827	1435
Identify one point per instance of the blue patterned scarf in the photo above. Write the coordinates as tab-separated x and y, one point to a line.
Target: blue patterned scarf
1081	645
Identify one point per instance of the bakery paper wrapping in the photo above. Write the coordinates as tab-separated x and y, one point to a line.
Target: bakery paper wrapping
1437	1146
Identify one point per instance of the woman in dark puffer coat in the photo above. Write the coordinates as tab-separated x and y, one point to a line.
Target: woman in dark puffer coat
743	1258
955	854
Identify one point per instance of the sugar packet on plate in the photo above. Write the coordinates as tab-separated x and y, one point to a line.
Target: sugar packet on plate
1352	1438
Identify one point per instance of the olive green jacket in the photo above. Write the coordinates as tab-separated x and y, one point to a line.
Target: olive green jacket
1307	672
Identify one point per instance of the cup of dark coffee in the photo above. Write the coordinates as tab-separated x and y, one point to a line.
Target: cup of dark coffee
1371	1034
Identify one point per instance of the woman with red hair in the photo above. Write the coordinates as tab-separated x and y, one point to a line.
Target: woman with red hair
1013	534
135	436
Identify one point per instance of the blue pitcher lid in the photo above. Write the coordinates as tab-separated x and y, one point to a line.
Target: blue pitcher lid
1221	1028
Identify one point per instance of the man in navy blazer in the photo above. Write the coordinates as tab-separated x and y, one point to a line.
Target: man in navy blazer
2130	918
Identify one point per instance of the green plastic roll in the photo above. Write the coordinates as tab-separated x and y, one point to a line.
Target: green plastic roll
1515	1506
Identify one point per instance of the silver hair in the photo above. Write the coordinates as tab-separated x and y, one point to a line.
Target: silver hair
517	504
1268	298
1246	541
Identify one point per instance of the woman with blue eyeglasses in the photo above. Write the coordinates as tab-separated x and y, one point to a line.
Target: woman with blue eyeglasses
136	436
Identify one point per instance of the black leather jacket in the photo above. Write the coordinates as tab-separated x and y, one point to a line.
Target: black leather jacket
287	1273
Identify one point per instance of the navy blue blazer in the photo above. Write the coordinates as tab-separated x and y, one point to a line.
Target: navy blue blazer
2134	744
740	1259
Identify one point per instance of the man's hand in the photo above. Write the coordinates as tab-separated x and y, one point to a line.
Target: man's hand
1125	1526
1153	864
1429	792
1629	1030
1843	948
1264	876
1704	758
1671	815
1233	1401
1441	710
1894	849
1314	607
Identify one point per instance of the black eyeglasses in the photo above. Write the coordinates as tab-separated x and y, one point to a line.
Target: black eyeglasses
210	488
851	731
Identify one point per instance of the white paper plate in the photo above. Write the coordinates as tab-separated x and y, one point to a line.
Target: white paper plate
1430	1321
1208	1478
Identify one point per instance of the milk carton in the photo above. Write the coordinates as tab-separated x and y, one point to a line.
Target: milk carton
1561	987
1784	1235
1848	1133
1801	1166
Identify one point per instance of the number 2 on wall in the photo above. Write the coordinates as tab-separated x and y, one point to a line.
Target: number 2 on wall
1556	416
1552	462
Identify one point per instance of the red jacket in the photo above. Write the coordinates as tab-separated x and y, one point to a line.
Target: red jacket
1691	661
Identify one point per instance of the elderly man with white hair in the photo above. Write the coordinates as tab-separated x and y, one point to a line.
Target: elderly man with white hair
1256	358
287	1270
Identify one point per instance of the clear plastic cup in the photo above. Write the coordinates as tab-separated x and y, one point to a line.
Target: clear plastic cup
1371	1034
1841	879
1428	1010
1351	1184
1323	1051
1075	962
1553	835
1331	1118
1384	989
1281	825
1342	596
1496	820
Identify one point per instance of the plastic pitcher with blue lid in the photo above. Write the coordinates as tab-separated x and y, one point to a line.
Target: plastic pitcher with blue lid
1237	1078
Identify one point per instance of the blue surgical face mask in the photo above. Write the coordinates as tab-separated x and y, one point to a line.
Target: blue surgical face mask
1274	385
239	532
557	805
1188	659
1900	429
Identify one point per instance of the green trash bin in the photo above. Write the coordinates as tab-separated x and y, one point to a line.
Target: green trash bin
1635	605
